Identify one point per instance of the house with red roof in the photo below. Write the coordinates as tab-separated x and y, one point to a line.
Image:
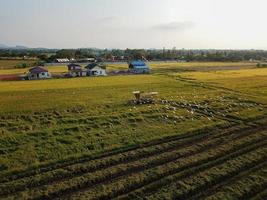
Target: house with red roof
38	72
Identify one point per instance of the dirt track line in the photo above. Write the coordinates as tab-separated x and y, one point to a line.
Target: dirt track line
172	147
207	85
179	191
219	157
64	191
190	170
212	189
254	192
198	135
173	144
153	163
38	171
75	175
169	158
48	168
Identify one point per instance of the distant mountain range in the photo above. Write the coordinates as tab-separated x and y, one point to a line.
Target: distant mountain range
3	46
18	47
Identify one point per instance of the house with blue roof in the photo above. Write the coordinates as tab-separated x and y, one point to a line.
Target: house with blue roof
138	67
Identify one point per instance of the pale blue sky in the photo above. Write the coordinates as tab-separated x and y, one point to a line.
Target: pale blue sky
235	24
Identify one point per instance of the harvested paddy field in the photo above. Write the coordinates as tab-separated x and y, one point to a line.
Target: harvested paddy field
203	138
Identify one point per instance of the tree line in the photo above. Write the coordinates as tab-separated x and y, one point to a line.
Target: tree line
49	55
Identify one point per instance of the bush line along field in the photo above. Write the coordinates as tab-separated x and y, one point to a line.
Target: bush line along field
205	137
11	64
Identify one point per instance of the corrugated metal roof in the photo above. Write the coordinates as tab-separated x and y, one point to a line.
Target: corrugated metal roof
138	63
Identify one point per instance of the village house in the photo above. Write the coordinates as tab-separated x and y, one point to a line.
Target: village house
138	67
96	69
75	70
39	72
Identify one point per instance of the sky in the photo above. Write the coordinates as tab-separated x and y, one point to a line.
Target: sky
190	24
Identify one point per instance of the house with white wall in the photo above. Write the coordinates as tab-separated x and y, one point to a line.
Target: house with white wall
96	69
38	72
75	70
